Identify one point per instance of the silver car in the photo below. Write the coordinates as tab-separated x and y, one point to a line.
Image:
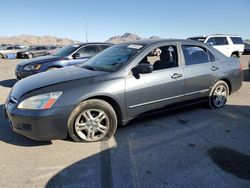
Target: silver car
121	83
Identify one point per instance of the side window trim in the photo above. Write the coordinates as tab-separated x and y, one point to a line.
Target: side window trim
216	58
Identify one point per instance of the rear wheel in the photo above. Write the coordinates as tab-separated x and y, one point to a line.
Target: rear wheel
234	55
218	95
1	56
92	120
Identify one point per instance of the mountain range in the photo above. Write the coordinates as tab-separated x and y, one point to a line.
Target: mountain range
126	37
46	40
32	40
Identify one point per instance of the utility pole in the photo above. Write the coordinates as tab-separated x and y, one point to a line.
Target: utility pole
86	29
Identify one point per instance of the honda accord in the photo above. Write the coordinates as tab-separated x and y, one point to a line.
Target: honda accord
121	83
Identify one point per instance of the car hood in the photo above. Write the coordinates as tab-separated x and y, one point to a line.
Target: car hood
50	78
39	60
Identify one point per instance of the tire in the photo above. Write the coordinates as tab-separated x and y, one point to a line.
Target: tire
30	56
234	55
218	95
1	56
91	121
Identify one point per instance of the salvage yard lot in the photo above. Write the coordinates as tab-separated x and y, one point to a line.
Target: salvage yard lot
190	147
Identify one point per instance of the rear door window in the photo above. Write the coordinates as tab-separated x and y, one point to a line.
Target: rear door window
237	40
43	48
195	55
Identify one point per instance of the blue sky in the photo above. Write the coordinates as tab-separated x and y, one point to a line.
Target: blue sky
106	18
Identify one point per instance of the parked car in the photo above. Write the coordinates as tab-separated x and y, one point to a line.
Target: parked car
249	65
229	45
33	51
121	83
52	49
68	55
13	49
246	49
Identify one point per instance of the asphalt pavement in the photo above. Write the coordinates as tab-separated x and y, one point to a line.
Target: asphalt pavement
189	147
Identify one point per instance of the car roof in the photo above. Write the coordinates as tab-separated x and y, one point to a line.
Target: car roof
216	35
158	41
92	43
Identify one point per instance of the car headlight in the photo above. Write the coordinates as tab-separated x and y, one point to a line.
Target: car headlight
43	101
32	67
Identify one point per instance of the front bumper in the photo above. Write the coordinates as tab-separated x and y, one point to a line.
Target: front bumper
21	55
42	125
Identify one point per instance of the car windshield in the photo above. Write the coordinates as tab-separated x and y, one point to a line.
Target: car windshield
66	50
113	58
30	48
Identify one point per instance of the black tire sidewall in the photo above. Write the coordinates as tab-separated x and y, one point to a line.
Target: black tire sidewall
210	101
94	104
234	55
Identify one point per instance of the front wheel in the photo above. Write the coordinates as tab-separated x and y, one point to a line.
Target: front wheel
30	56
92	120
218	95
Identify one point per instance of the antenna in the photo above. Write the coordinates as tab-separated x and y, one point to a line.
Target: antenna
86	29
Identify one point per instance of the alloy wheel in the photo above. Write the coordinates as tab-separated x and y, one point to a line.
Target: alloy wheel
92	125
219	96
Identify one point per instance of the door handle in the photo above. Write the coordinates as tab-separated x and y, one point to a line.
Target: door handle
214	68
176	75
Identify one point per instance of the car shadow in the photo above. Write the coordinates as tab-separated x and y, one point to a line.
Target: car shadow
97	170
246	75
8	83
231	161
10	137
158	154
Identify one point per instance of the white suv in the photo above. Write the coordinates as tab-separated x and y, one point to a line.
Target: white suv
229	45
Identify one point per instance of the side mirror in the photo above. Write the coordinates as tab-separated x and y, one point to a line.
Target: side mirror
76	55
142	68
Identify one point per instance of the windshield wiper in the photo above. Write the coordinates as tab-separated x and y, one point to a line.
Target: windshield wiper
89	67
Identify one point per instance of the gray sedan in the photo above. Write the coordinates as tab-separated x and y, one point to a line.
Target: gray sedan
121	83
